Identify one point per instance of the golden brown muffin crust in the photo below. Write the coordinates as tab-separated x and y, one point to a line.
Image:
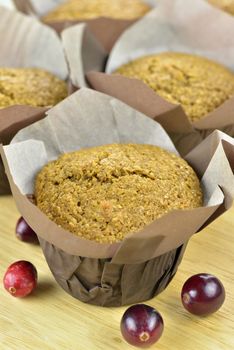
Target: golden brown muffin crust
30	86
198	84
225	5
106	192
87	9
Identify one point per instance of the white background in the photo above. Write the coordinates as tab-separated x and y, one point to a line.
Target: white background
6	3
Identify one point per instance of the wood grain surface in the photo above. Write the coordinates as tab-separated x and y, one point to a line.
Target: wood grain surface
50	319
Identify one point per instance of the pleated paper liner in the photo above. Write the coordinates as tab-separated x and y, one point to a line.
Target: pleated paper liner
174	25
106	30
26	43
142	264
12	119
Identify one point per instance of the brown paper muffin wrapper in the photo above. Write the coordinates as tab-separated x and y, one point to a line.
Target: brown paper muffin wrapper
106	30
144	262
172	26
26	43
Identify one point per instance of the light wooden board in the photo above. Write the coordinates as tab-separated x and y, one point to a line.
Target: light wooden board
51	319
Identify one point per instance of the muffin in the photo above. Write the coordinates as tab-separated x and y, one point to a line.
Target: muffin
88	9
104	193
30	86
226	5
198	84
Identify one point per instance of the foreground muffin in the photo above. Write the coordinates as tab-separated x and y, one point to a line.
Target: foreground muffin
30	86
226	5
87	9
104	193
198	84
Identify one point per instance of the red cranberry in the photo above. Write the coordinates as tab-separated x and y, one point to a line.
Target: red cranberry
141	325
20	278
202	294
25	233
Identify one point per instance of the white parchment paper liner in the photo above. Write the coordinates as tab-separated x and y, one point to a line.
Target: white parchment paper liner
26	42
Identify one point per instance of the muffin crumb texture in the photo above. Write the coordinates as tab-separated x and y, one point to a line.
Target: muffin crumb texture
88	9
106	192
198	84
30	86
225	5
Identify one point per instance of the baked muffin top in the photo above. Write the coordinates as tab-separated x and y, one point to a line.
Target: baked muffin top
225	5
30	86
104	193
87	9
198	84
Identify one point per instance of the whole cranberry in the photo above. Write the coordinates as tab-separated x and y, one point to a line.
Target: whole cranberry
20	278
203	294
141	325
24	232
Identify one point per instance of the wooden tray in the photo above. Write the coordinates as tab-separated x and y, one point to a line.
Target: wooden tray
50	319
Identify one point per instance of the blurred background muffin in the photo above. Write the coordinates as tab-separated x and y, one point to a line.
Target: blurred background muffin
198	84
225	5
104	193
88	9
30	86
